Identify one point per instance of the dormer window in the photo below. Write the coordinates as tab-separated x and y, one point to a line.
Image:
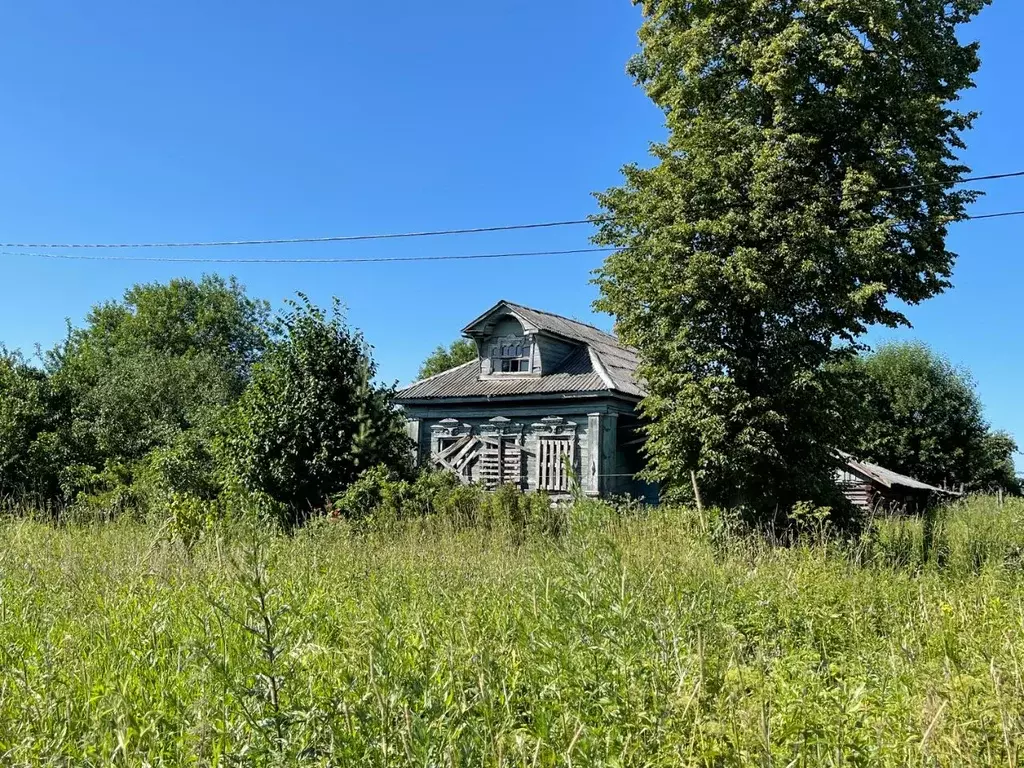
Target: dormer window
511	355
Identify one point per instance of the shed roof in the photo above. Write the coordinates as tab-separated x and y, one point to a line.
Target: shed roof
887	477
600	364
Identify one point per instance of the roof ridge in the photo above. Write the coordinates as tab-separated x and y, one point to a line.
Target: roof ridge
598	364
563	317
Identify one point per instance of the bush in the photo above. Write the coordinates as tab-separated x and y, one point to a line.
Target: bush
312	420
377	498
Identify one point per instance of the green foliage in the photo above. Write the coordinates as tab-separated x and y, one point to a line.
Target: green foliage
633	641
443	359
768	234
24	415
377	496
921	416
312	418
142	372
964	538
381	501
184	402
190	517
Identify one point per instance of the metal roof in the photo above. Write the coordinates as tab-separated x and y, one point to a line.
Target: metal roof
601	363
887	477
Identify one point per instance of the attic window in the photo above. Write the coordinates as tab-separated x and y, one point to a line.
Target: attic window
511	356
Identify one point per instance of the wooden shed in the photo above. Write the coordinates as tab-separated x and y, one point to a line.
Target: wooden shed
873	488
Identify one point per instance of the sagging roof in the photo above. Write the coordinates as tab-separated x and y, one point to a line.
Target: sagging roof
887	477
600	364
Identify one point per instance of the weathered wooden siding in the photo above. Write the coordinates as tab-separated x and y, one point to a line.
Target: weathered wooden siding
592	435
550	352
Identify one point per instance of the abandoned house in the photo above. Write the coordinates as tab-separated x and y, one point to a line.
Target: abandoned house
546	394
549	400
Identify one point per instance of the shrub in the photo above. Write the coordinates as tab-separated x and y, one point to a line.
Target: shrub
312	419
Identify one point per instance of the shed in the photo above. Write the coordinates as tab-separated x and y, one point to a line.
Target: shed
871	487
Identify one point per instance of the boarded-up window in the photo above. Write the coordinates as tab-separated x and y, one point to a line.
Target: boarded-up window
501	461
553	456
456	454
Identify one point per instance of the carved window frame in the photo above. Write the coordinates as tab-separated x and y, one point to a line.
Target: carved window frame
555	437
511	352
507	437
445	432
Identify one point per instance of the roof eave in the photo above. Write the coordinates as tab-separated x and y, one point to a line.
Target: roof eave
590	394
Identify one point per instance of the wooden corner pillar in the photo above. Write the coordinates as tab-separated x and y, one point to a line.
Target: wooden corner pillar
602	437
413	430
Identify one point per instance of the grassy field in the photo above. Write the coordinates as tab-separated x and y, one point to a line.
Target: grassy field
639	641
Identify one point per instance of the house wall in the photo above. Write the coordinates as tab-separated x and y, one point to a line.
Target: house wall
551	351
604	467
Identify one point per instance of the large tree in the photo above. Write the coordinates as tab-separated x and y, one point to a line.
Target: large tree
807	181
443	358
143	371
920	415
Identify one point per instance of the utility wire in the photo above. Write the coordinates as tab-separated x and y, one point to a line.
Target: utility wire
440	232
357	260
294	240
365	260
1002	215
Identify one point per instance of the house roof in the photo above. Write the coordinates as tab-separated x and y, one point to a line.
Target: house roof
887	477
600	364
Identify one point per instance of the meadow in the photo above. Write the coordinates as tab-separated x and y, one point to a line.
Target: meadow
629	638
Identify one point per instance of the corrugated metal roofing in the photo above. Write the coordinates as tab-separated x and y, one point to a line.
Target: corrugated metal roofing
618	360
581	371
887	477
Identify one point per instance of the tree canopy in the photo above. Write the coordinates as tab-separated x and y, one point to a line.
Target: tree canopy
921	416
24	414
141	371
312	418
808	180
444	358
187	393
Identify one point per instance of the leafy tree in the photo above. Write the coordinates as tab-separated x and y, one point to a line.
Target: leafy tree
443	359
23	416
166	360
807	181
312	418
921	416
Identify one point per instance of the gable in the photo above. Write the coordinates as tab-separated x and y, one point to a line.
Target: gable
526	351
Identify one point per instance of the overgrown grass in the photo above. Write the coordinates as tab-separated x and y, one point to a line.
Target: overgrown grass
621	642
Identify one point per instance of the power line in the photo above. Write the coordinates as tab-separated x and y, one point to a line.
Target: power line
295	240
990	177
443	232
1002	215
356	260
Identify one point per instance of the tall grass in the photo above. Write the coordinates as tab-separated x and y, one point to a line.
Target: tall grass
621	642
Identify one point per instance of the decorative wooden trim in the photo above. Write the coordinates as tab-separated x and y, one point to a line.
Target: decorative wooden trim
450	428
556	439
501	454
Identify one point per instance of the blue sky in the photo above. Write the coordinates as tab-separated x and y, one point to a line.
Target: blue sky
197	120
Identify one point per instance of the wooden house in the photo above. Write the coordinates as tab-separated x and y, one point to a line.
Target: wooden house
545	394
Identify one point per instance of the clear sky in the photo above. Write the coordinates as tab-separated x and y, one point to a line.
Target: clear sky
127	122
